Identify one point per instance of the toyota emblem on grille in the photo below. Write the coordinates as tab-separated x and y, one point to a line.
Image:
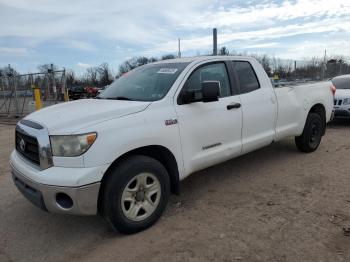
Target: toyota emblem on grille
22	145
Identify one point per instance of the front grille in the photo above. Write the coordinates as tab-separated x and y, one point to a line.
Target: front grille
28	147
338	102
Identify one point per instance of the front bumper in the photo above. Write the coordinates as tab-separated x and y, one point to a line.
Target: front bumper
84	198
341	113
43	187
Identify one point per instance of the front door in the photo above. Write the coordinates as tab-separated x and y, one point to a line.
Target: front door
210	132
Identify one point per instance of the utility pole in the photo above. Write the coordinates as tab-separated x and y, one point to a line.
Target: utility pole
14	81
215	41
324	64
179	47
53	80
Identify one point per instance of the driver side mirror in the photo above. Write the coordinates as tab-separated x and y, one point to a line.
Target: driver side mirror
210	91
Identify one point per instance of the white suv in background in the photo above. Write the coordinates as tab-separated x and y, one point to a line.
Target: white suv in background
342	96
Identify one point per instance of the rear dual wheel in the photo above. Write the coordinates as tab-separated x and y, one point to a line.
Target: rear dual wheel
135	194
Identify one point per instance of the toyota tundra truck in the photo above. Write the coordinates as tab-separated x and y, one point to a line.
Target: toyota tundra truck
123	153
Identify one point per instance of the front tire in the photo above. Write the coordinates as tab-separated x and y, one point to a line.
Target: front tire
135	194
312	134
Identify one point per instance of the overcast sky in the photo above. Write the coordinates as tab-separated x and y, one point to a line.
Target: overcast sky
77	34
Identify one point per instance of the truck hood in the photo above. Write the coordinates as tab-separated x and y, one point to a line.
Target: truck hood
69	117
342	93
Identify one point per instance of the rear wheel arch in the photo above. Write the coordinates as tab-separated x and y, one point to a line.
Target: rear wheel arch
160	153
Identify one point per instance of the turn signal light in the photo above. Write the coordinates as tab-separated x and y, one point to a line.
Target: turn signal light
90	139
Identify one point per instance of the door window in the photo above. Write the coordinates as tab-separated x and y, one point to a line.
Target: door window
210	72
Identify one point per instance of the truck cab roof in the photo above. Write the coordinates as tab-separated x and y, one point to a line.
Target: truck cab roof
203	58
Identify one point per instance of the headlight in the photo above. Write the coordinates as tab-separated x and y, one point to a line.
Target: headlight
71	145
346	101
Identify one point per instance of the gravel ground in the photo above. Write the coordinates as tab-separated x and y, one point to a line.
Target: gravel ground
275	204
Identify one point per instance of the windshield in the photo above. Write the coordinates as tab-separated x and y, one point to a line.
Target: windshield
145	83
342	82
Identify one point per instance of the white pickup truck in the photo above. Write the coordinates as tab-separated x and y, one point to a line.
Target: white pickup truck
122	154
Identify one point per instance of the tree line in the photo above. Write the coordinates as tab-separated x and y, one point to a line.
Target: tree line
315	68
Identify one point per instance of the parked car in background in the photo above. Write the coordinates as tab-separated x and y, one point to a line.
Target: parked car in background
121	154
91	91
76	92
6	94
28	93
342	96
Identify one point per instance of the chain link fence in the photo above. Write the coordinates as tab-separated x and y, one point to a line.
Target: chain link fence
17	96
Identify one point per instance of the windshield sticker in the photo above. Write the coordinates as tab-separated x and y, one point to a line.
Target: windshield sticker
167	71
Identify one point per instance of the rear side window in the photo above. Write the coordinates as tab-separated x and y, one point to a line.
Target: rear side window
247	79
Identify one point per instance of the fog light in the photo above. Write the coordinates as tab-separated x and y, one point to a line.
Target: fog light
64	201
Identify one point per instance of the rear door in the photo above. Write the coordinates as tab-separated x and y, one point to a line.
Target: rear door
258	107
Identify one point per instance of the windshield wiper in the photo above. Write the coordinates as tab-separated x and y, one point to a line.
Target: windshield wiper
115	98
120	98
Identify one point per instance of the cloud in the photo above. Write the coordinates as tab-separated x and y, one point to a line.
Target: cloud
308	49
148	23
254	15
264	45
129	21
83	65
76	44
258	35
13	50
121	29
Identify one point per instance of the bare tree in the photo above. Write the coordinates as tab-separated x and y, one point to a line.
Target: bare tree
265	61
44	68
307	69
70	78
8	71
224	51
133	63
142	61
104	74
91	75
166	57
152	59
128	65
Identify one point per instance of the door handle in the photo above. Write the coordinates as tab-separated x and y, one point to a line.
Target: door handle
233	106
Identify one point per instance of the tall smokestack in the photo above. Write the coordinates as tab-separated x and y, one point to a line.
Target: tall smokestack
215	42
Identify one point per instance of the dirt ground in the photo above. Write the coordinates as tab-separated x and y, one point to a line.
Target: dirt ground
275	204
